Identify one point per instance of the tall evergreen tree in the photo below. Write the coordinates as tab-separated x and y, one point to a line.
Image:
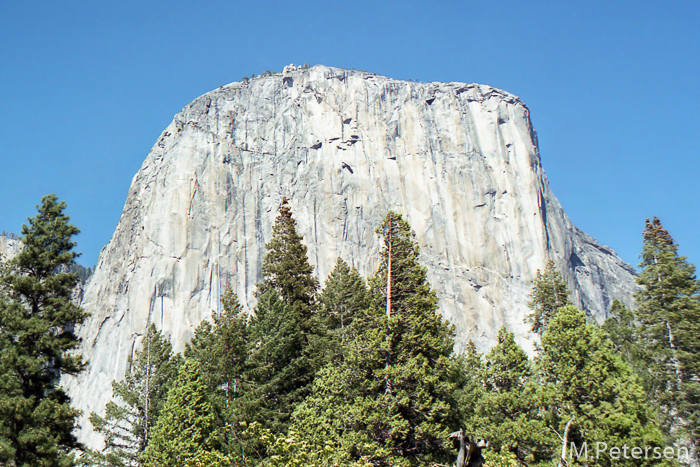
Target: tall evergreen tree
469	387
417	381
588	393
621	328
344	297
37	321
392	400
220	348
187	425
549	293
402	291
283	342
668	310
137	402
508	412
286	267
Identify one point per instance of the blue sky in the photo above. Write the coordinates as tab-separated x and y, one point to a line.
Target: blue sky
613	88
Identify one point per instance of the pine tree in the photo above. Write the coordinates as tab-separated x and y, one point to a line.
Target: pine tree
588	393
344	297
401	289
283	336
470	366
37	340
668	310
137	402
549	293
187	425
622	330
416	386
391	401
220	348
286	267
333	418
508	410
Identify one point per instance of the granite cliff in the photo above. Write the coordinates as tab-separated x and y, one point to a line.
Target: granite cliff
9	247
459	161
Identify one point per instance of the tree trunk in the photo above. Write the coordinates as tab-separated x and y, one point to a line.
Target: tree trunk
674	356
388	278
148	389
388	311
565	443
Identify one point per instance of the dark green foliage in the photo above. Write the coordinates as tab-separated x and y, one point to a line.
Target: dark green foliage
579	390
187	425
283	336
622	331
402	297
549	293
344	297
508	414
286	267
400	285
587	383
391	401
137	402
469	386
668	310
413	375
81	272
220	348
365	376
37	319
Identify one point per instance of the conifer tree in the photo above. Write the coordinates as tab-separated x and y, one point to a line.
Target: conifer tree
508	411
220	348
37	340
622	330
187	425
283	342
668	310
417	382
392	400
588	393
344	297
470	366
137	402
549	293
401	288
286	267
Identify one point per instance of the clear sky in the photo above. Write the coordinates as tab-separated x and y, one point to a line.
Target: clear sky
613	88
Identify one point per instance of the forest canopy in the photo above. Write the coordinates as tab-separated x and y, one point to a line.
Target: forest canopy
359	372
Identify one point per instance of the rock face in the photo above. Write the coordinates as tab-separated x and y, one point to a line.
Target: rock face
9	247
459	161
